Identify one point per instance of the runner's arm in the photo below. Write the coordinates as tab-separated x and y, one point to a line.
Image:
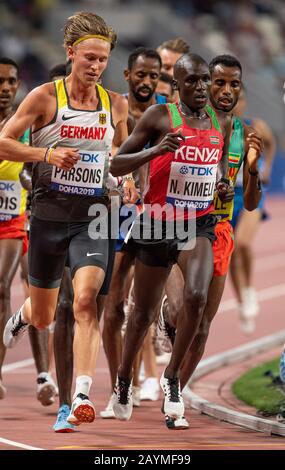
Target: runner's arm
32	108
251	179
132	154
120	107
224	163
28	112
269	148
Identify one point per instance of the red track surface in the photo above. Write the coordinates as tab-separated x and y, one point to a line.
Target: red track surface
25	421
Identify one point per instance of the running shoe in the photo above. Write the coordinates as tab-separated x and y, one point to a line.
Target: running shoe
14	330
150	389
61	424
248	310
108	413
163	359
136	395
122	399
176	424
46	389
165	333
82	410
173	401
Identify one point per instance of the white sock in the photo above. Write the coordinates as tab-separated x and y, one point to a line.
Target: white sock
83	385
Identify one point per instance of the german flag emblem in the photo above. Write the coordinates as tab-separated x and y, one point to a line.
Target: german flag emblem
102	118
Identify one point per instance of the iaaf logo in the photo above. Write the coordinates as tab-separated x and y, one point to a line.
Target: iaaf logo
6	186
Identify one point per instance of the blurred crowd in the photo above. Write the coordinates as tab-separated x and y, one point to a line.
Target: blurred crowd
253	30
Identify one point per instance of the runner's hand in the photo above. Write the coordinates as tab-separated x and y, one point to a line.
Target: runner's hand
229	194
64	157
130	193
256	146
169	143
223	190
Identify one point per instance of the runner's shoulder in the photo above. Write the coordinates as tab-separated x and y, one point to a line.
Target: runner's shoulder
42	95
118	101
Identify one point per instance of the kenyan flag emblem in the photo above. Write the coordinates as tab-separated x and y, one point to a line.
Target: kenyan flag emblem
214	140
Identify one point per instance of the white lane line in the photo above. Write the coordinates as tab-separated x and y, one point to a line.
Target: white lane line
262	295
18	365
269	262
18	444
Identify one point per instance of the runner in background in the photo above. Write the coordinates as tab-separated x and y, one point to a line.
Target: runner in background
165	88
246	224
142	75
170	51
13	236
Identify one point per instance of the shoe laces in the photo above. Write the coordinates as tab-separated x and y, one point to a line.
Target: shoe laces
41	380
18	325
173	391
123	391
63	412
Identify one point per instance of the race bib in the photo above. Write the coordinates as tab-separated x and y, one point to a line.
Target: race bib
86	178
10	199
191	186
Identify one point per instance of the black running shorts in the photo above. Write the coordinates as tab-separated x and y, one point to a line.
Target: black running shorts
159	244
56	244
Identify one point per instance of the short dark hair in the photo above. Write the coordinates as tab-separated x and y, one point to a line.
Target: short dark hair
7	61
185	58
166	78
57	70
226	60
143	51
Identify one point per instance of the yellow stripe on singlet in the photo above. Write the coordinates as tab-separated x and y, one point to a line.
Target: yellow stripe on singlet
61	94
62	97
104	98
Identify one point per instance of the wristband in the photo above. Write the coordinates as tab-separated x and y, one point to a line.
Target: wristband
128	178
49	154
46	153
253	173
224	180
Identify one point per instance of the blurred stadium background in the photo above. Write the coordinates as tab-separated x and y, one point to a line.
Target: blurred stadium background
253	30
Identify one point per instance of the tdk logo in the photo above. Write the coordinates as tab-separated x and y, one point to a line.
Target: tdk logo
197	171
6	186
89	157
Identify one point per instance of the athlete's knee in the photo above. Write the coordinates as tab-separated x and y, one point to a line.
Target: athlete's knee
40	323
142	318
194	299
85	301
114	315
241	244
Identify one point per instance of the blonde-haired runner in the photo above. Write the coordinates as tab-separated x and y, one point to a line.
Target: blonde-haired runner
75	125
